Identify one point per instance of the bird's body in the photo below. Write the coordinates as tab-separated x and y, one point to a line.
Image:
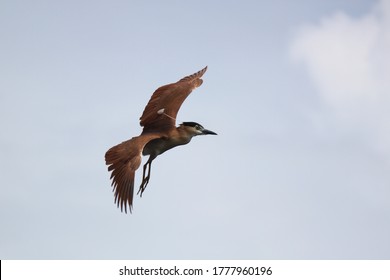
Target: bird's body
159	135
161	145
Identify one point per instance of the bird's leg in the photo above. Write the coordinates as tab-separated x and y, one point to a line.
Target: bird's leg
145	180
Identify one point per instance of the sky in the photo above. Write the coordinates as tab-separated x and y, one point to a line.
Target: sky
298	92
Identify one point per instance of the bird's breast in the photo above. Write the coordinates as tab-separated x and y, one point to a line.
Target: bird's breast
160	145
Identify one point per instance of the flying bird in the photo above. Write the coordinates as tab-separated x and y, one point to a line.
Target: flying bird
159	134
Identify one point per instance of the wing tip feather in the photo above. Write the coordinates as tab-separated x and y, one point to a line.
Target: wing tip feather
194	76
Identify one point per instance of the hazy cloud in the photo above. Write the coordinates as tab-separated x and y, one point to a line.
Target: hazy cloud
348	59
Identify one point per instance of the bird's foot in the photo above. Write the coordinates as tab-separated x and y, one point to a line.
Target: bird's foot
142	188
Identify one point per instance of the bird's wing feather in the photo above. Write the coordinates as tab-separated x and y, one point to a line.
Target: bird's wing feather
123	160
161	111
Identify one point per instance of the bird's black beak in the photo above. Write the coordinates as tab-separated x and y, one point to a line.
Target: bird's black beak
206	132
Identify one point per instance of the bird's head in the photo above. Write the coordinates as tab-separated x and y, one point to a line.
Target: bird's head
196	129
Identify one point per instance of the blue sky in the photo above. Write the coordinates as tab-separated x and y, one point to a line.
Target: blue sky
297	91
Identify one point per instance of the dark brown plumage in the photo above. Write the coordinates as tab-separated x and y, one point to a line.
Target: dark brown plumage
159	135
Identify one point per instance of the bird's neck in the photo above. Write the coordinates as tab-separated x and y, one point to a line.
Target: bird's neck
181	135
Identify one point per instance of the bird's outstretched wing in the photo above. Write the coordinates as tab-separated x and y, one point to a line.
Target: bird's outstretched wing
161	111
123	160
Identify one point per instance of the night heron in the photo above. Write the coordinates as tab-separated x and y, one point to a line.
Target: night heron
159	134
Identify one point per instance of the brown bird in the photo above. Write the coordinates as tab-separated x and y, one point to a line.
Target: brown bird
159	134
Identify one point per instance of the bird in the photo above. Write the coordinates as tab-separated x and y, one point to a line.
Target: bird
159	134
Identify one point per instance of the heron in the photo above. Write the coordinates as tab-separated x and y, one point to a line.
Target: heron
159	134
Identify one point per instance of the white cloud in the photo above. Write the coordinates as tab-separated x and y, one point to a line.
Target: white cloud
348	60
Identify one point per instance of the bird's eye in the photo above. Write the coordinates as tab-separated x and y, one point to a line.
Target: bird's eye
197	127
